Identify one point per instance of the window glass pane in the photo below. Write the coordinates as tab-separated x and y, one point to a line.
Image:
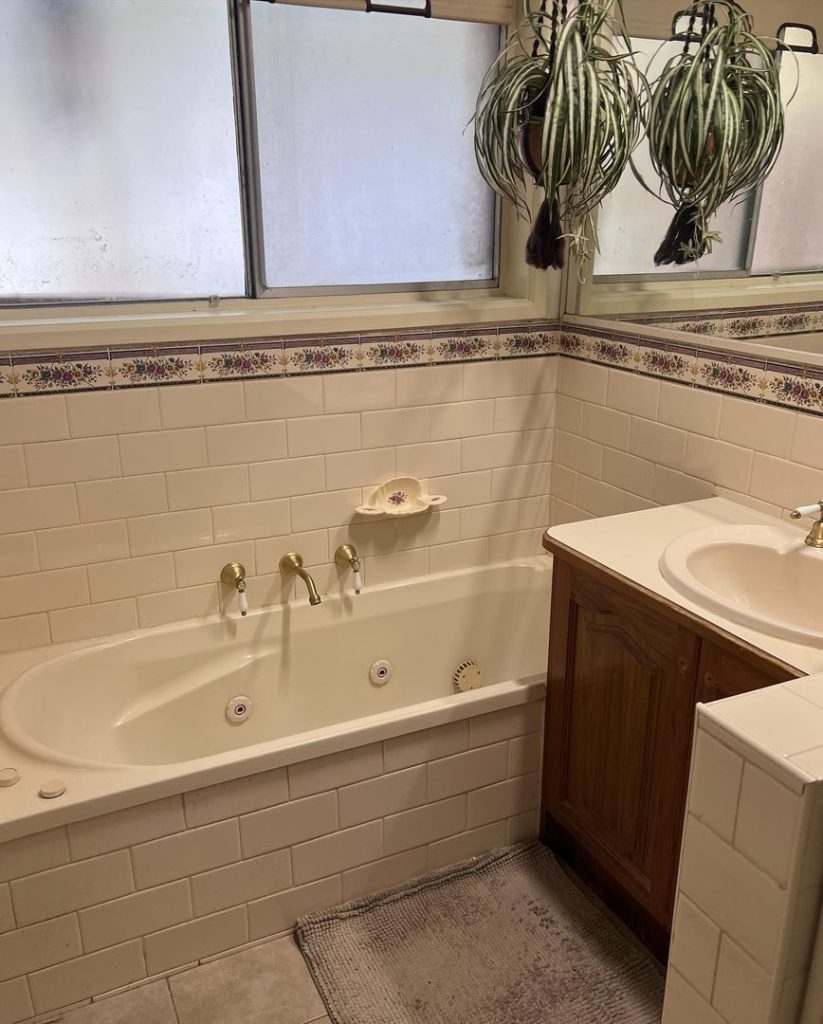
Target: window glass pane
790	225
119	176
632	223
367	165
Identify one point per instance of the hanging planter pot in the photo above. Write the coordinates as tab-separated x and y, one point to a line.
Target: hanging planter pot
564	116
716	124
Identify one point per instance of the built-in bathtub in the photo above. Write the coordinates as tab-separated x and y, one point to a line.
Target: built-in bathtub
182	835
143	715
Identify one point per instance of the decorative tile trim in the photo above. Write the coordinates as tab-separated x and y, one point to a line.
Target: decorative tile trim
42	373
791	385
794	386
753	323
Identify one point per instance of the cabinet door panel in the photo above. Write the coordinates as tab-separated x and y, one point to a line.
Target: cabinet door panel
621	701
610	714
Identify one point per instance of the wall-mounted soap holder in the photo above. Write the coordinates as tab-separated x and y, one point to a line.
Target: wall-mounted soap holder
403	496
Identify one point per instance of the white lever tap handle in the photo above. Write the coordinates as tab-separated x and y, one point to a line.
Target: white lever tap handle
243	602
357	581
807	510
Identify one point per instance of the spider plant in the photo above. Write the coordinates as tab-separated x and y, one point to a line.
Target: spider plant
715	124
564	115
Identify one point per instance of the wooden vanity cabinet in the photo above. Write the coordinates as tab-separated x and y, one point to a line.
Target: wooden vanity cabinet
625	671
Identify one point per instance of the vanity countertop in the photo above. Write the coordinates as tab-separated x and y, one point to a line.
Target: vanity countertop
631	544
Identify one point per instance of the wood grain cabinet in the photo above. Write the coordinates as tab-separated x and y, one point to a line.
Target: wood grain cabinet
625	672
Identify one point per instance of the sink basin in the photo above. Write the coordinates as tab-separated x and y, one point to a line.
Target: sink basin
761	576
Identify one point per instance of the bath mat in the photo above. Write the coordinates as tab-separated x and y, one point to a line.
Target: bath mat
506	938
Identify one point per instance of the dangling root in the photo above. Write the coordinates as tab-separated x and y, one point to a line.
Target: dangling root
686	240
546	247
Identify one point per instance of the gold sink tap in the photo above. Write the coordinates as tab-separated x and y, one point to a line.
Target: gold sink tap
291	564
815	537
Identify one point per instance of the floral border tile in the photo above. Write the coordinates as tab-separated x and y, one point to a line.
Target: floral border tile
235	360
6	384
148	367
462	346
728	376
518	340
791	385
794	391
570	343
676	366
44	373
384	351
335	355
760	322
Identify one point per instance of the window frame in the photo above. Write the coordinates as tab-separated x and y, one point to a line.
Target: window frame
520	293
248	133
588	294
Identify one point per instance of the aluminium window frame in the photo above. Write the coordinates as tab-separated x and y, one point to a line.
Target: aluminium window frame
248	135
241	58
523	293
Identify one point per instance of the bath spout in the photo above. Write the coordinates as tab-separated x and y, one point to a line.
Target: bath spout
291	564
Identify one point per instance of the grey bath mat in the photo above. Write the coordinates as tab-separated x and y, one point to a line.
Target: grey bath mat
505	938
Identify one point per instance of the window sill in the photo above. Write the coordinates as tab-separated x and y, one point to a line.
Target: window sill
152	324
620	298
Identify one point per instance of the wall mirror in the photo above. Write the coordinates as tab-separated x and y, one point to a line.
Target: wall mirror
763	281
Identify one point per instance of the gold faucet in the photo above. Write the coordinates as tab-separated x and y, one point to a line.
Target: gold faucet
347	555
291	564
234	575
815	537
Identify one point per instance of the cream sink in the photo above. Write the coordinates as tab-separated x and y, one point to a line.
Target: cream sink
764	577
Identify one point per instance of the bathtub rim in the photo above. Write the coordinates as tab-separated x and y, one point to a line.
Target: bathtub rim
23	813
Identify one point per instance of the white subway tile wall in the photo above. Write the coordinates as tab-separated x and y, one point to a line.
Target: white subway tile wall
117	510
114	900
625	442
748	891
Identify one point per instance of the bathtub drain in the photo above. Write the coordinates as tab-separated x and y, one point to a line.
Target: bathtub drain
238	709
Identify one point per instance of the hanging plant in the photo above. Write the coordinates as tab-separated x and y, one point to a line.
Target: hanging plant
715	124
565	116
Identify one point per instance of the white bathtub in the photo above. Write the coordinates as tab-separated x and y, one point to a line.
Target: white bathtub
142	716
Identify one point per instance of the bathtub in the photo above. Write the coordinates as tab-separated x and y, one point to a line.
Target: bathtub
142	716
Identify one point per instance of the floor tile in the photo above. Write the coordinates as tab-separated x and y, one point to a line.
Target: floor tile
268	984
150	1004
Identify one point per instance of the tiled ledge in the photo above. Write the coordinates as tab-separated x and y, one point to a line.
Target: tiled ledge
39	373
793	385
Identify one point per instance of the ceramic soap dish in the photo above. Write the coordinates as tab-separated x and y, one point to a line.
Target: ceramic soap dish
401	497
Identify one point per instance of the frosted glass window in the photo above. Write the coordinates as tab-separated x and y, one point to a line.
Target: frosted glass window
367	167
119	177
632	223
790	225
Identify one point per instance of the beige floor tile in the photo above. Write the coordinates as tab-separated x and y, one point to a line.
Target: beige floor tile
268	984
150	1004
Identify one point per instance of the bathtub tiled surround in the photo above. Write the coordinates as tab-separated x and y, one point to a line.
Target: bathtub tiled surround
112	901
749	890
118	508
